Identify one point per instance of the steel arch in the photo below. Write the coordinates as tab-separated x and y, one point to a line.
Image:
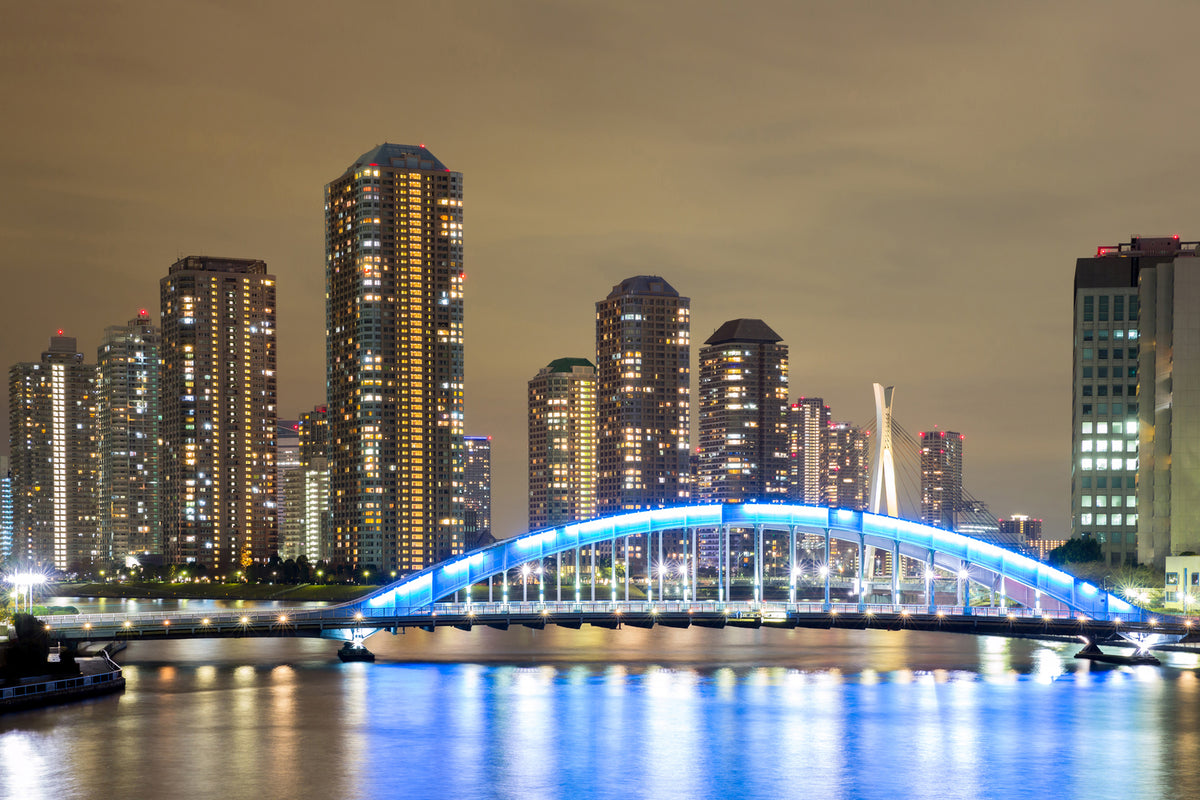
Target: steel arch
1036	582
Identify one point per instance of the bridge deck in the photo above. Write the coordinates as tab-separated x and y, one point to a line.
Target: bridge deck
351	622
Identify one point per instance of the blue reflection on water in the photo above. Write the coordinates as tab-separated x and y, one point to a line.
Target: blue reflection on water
854	715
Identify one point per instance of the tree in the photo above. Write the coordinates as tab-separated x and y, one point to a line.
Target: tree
1076	551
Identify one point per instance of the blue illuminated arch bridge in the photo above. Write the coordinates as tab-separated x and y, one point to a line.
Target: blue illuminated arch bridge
750	565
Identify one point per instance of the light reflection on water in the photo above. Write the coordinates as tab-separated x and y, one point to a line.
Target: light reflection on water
618	714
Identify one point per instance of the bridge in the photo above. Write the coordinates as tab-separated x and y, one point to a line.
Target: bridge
797	553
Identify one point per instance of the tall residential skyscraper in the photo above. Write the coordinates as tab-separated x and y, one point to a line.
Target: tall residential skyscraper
743	415
1115	499
314	458
562	443
849	450
477	494
643	358
127	433
394	358
219	414
6	510
290	488
809	451
52	424
941	478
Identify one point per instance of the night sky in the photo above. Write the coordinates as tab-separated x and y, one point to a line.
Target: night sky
900	191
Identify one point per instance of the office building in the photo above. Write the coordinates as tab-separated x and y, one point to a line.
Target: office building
643	356
562	443
1133	407
477	491
54	458
941	478
394	359
808	450
219	422
743	415
127	432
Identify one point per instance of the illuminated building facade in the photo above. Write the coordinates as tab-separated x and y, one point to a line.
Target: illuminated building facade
52	424
219	422
477	495
808	449
314	458
643	364
394	359
127	431
562	443
743	415
1134	411
6	510
290	488
941	478
848	469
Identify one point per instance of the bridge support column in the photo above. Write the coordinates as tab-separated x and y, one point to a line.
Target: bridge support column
649	566
896	599
862	572
728	564
558	577
828	569
612	567
661	566
758	563
964	587
628	567
593	573
578	577
504	585
929	599
793	570
490	582
542	580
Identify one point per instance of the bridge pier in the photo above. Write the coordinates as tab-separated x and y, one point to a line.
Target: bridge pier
896	574
827	569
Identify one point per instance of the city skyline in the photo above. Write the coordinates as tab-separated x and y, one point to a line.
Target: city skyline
961	238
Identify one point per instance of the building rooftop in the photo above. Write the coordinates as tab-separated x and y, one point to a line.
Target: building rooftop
744	330
643	284
568	364
247	266
407	156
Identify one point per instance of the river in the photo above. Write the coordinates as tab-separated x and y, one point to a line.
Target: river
632	713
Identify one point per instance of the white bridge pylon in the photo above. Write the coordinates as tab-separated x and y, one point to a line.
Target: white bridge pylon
883	462
1018	578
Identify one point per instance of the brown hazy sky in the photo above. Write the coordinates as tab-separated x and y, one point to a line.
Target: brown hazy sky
899	189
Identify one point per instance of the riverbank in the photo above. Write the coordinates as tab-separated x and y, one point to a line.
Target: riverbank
333	593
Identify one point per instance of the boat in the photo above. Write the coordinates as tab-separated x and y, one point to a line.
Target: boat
355	652
1092	652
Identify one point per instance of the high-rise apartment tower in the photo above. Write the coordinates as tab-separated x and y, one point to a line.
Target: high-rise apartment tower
52	424
394	358
743	415
219	413
643	354
808	449
562	443
941	478
127	432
